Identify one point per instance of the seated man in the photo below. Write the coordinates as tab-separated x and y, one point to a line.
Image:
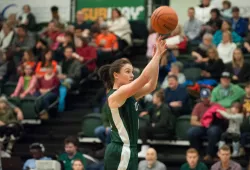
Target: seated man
71	73
37	151
227	93
225	161
176	97
197	132
192	157
151	161
71	153
10	127
239	24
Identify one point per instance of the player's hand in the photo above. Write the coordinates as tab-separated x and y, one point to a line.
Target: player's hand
161	47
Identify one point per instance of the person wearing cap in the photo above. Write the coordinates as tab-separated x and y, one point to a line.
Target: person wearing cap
227	93
37	151
197	132
239	25
176	69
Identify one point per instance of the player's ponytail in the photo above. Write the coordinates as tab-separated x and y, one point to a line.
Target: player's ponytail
106	72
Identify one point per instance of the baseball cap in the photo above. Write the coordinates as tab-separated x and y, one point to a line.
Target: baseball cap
226	74
205	93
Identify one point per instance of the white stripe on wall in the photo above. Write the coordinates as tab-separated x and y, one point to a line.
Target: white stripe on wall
125	155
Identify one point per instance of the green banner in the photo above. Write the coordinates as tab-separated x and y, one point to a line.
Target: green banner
131	9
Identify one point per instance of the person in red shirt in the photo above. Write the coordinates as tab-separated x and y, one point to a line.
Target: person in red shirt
47	60
51	33
48	86
84	53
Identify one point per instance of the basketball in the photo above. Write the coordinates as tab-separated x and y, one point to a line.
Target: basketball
164	20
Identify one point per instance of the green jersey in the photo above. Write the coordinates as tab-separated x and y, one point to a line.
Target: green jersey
124	122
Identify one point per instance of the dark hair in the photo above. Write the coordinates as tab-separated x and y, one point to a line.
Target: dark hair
54	9
79	161
37	146
247	84
235	9
22	26
227	3
71	139
173	76
68	46
106	72
118	11
160	94
30	54
238	105
215	10
229	23
44	58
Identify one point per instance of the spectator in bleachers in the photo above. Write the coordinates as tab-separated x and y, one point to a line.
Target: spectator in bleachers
247	41
77	165
120	26
71	153
37	151
10	127
239	69
227	93
40	48
46	61
80	25
6	36
48	84
27	84
12	19
192	157
162	121
192	27
176	49
27	18
103	132
23	40
176	69
67	40
151	161
28	59
215	21
3	65
95	28
226	47
226	10
150	43
239	24
226	26
50	33
225	162
56	17
201	53
71	73
176	97
235	117
197	132
214	66
202	12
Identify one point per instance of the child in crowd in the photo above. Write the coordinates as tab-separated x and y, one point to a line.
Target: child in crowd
235	117
28	59
27	84
226	10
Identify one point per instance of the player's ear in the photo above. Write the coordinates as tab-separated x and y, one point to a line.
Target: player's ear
115	75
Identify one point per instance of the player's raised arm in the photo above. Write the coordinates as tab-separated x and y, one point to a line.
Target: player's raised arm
119	76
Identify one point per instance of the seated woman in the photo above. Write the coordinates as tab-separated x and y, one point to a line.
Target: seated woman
238	68
247	41
10	128
6	36
28	59
213	68
162	121
176	69
47	60
226	48
48	84
200	54
226	26
27	84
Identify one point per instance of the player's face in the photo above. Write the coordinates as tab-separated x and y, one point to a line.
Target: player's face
192	159
77	165
125	76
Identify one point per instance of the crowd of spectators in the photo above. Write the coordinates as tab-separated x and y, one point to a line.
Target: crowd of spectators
53	60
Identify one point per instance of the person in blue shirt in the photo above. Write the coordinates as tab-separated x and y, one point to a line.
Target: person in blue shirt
239	24
37	151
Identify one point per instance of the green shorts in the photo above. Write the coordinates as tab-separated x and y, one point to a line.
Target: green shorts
120	157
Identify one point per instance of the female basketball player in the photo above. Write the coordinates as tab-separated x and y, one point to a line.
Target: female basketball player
121	153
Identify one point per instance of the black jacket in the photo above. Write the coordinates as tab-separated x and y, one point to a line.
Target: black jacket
243	75
31	22
215	68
